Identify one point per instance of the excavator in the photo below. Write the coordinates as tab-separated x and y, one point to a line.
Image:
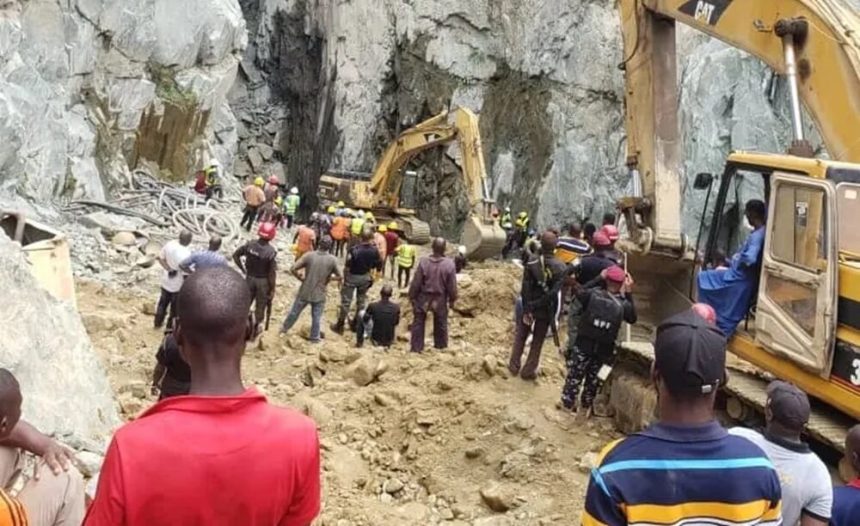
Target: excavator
381	192
803	324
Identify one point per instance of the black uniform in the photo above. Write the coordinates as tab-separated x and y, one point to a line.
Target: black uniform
259	266
588	270
383	317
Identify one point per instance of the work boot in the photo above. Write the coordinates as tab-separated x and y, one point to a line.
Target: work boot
338	327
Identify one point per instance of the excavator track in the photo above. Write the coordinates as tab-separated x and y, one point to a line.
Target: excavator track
416	231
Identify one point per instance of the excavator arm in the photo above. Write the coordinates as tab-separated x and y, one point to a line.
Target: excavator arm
814	43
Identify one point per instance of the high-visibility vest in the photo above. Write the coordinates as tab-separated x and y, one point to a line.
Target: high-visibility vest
506	221
405	255
357	226
211	176
340	228
291	204
523	223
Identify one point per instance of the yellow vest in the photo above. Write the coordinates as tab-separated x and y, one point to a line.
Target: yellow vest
357	226
405	255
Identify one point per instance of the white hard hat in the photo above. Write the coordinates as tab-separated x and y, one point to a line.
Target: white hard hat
294	190
360	213
462	250
507	209
215	163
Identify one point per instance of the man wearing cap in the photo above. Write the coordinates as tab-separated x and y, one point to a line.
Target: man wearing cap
807	494
846	499
684	469
605	303
613	235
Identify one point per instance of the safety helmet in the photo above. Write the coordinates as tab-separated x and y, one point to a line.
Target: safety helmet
611	232
360	214
259	181
315	216
523	215
274	180
507	209
331	209
341	204
267	231
279	200
382	228
462	250
294	190
215	163
369	216
393	225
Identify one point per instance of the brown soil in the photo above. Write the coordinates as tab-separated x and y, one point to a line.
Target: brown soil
418	445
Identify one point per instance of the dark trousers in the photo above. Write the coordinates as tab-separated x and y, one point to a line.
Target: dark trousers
438	305
166	301
339	246
290	219
573	318
213	191
583	364
401	273
539	331
259	288
357	286
249	217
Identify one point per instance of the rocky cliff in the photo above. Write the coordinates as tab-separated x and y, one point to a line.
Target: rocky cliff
345	77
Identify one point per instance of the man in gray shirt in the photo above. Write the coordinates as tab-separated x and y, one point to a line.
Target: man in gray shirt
319	267
807	493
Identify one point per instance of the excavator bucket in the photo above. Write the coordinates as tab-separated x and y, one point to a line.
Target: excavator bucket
483	239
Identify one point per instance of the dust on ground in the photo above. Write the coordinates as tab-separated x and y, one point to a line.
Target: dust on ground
443	437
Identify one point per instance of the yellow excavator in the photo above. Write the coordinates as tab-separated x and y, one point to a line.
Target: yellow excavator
804	323
381	192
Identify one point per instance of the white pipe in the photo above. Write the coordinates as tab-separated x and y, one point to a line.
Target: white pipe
794	94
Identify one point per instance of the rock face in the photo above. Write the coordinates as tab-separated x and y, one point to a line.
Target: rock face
88	88
45	345
345	77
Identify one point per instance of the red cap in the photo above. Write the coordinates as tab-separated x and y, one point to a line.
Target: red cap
706	312
267	231
611	232
274	180
615	274
600	239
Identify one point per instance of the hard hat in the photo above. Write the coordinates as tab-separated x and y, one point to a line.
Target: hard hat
274	180
360	214
215	163
341	204
611	232
600	239
279	201
331	209
267	231
507	209
314	216
369	216
523	214
462	250
259	181
393	225
294	190
382	228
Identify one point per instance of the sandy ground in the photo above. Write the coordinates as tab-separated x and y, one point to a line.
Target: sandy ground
419	444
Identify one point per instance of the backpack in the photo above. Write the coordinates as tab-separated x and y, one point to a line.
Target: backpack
602	318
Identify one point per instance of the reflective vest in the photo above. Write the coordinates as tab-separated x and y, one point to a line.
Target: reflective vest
405	256
291	204
340	228
357	226
523	223
506	221
211	176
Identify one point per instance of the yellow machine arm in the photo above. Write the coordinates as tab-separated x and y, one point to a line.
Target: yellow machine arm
814	43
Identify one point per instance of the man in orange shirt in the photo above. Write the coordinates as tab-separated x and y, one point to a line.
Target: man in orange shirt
304	240
340	233
222	456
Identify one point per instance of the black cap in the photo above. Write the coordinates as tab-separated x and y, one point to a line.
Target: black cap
788	405
690	354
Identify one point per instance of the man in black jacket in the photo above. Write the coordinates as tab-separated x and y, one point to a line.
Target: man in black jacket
542	278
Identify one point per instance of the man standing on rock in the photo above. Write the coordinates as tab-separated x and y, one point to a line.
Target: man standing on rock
260	268
381	319
542	280
173	253
319	267
205	258
360	261
254	198
685	469
223	455
434	289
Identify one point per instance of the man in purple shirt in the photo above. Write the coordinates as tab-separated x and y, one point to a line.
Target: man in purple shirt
433	289
205	258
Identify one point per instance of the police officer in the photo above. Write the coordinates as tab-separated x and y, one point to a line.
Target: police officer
260	267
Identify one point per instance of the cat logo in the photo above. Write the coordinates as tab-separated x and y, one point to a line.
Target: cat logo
705	11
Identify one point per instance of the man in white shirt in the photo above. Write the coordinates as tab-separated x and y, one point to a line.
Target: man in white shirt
172	255
807	492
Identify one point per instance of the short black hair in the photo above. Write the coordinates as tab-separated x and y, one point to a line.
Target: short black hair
608	218
756	208
387	291
215	243
213	306
589	229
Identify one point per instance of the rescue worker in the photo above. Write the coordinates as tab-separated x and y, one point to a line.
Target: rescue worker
258	261
271	212
304	240
518	235
272	188
405	263
381	244
606	301
254	198
356	227
541	283
460	259
572	247
507	222
585	271
340	208
392	240
291	206
360	261
340	232
613	235
212	178
729	291
434	289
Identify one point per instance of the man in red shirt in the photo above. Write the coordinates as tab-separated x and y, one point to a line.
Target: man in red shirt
392	240
222	455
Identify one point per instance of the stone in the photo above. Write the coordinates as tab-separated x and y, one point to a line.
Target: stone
265	151
588	462
392	486
256	160
365	370
89	463
147	308
125	239
137	389
497	497
384	400
475	452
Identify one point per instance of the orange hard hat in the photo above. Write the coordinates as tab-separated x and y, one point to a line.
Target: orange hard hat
267	231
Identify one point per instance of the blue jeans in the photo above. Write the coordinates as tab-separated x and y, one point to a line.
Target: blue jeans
316	317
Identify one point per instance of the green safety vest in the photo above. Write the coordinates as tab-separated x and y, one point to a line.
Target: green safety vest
356	226
291	204
506	221
523	223
405	256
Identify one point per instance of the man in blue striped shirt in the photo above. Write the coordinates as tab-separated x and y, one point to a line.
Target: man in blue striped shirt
685	469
